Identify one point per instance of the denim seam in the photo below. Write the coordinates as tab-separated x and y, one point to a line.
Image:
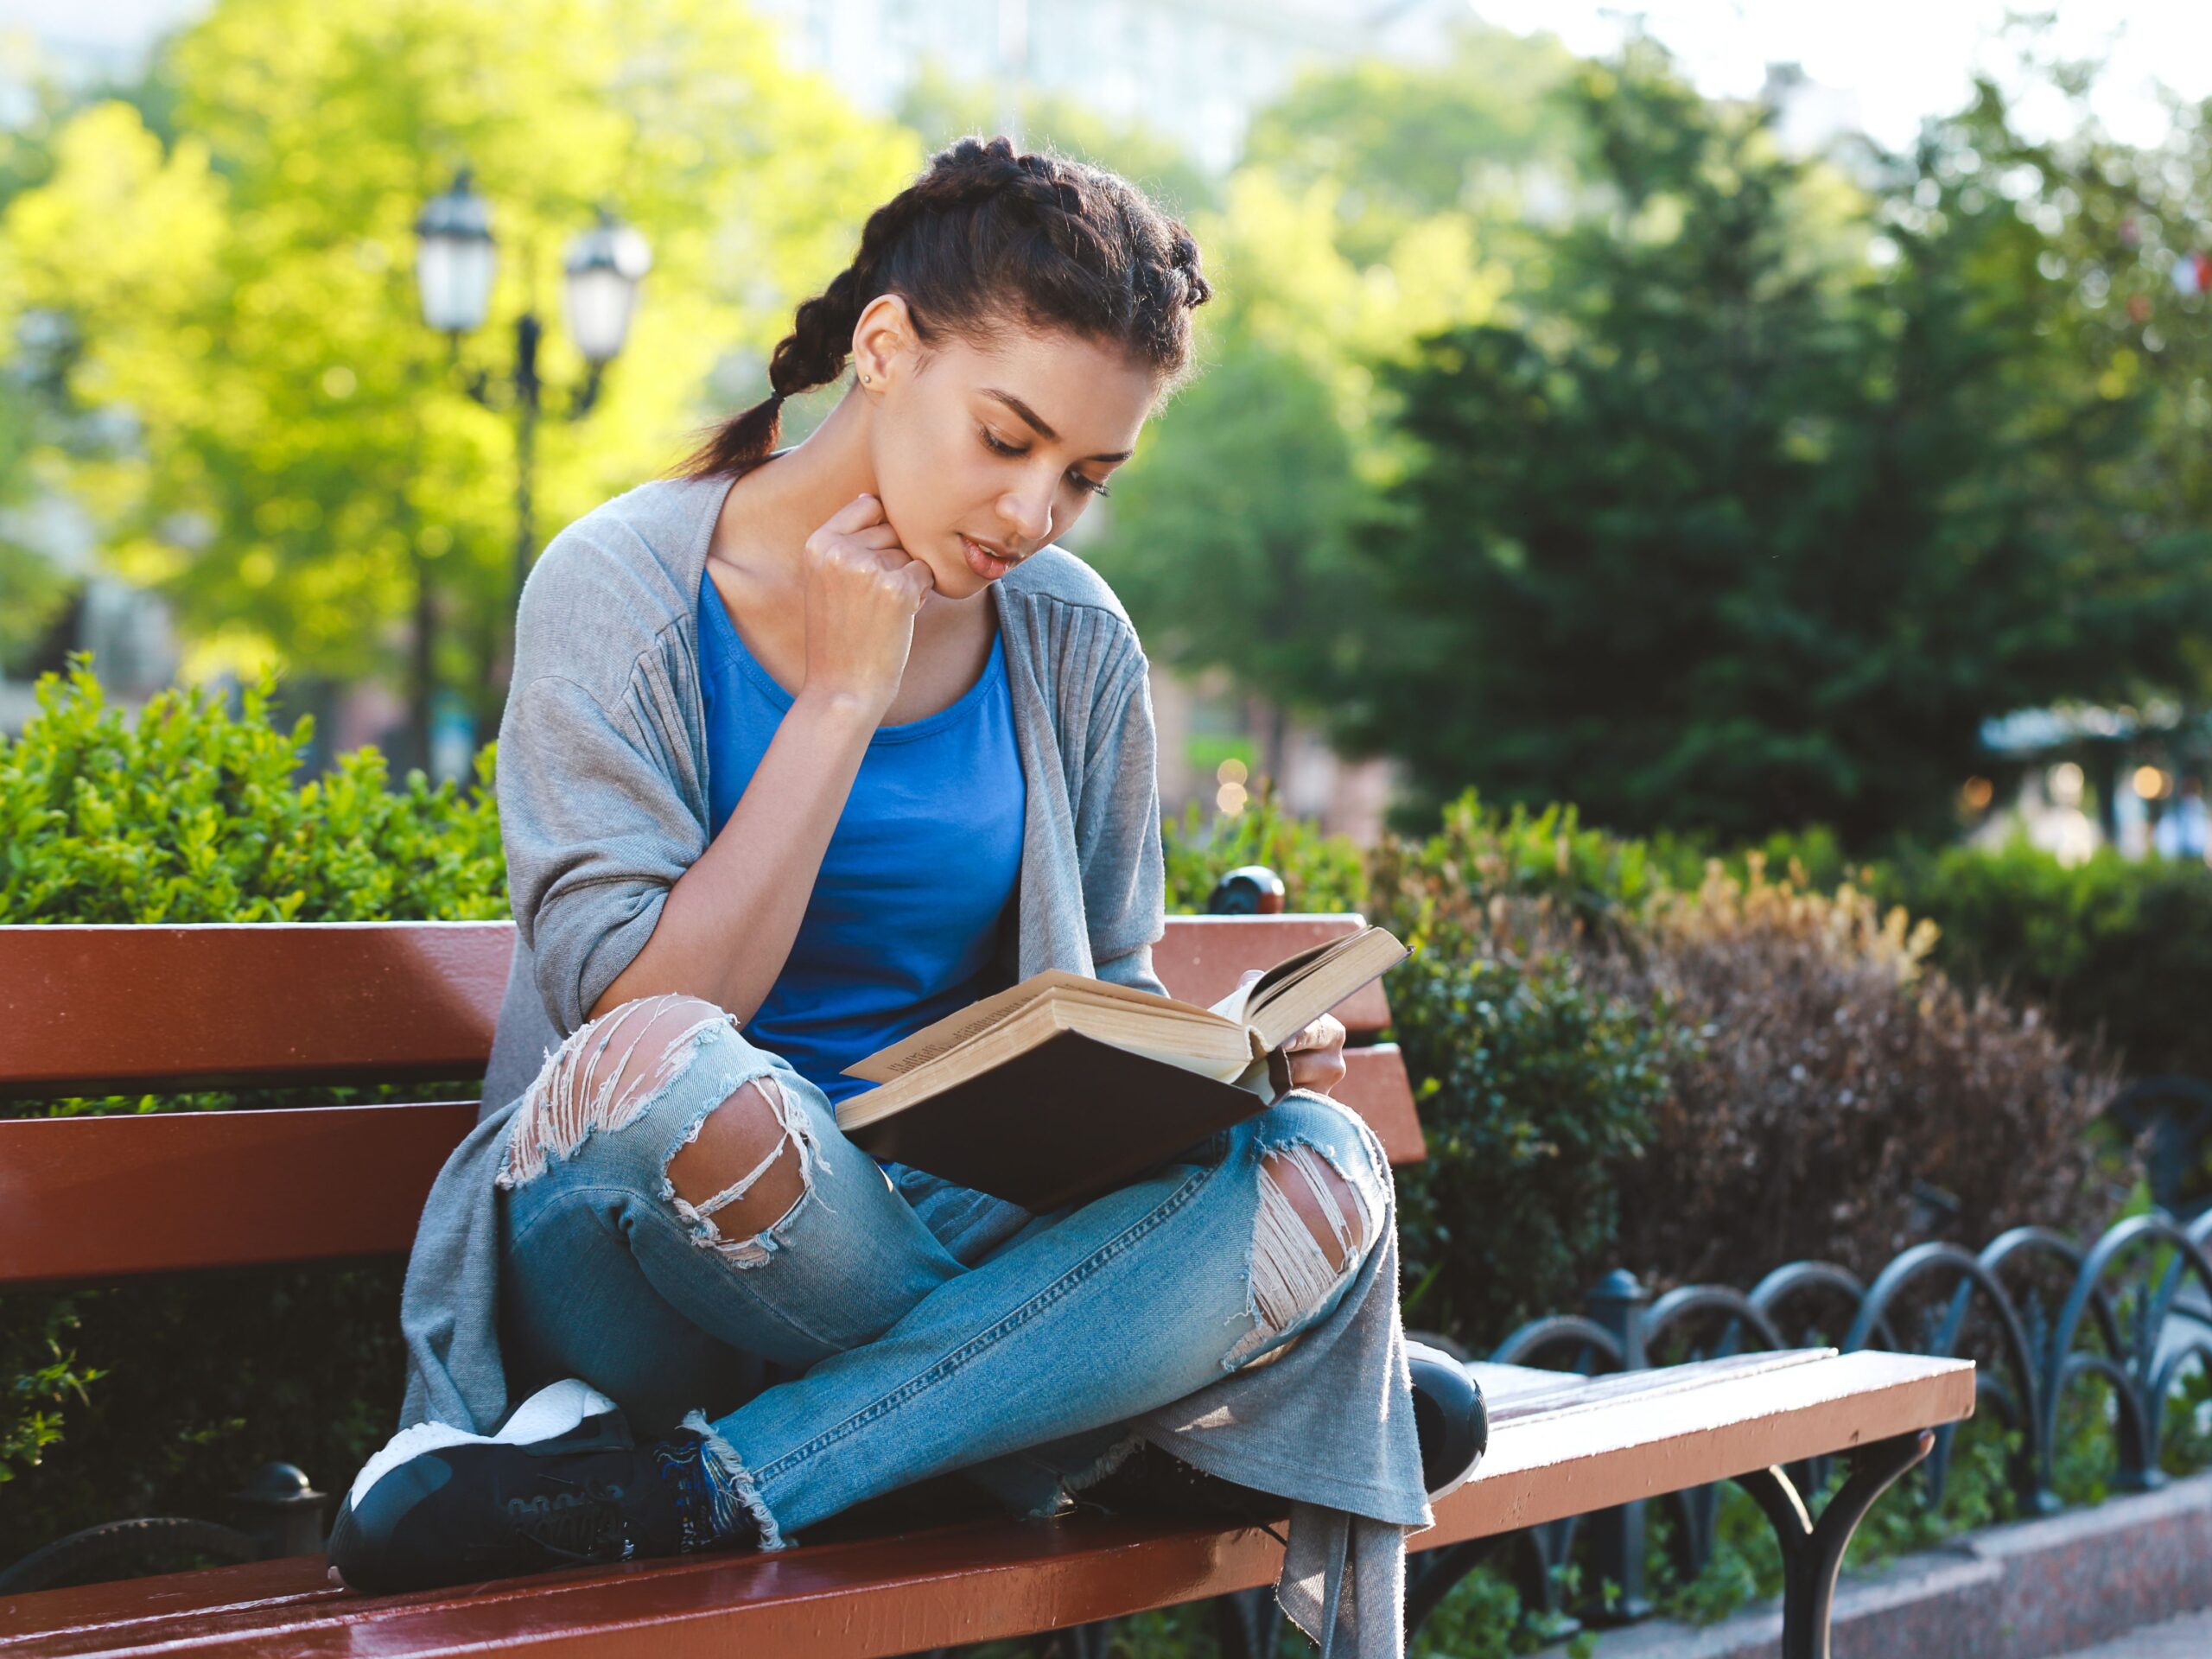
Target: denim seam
947	1365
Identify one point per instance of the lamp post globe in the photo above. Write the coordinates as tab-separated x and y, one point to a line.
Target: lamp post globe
599	289
455	258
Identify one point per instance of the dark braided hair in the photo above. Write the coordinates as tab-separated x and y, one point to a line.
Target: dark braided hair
985	235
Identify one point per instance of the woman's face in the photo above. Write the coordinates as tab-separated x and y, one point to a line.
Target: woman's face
981	456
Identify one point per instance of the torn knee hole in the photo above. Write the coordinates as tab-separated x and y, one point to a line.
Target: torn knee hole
743	1170
604	1077
1323	1200
1312	1226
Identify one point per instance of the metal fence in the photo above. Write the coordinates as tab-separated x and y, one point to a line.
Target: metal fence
2039	1312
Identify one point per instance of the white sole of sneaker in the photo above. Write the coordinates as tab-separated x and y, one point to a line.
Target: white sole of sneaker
554	1409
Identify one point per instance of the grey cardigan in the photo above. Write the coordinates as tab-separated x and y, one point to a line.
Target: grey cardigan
602	791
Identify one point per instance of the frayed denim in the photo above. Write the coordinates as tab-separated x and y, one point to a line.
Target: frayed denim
922	1326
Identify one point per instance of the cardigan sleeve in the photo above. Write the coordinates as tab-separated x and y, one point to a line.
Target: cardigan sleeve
596	833
1117	827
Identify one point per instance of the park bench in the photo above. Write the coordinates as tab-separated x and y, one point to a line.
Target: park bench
91	1010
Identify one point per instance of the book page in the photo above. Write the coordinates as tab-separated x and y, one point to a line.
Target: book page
935	1040
1300	989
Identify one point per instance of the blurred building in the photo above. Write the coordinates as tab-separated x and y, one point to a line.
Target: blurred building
2075	779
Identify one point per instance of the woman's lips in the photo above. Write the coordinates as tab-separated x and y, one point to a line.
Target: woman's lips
983	562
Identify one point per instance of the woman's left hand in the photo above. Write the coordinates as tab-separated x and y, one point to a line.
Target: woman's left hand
1317	1055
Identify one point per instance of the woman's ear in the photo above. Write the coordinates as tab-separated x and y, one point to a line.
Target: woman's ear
884	341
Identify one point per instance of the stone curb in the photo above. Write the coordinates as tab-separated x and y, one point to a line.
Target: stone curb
2030	1590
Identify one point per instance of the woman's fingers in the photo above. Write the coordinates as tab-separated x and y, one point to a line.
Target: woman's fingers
919	583
1317	1055
855	516
1319	1070
1327	1032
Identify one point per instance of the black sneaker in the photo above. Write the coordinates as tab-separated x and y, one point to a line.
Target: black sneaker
1450	1419
1450	1422
1151	1482
564	1483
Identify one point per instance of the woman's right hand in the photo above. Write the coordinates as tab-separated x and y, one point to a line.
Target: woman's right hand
862	592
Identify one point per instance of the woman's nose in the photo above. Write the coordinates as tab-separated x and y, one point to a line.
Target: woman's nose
1027	515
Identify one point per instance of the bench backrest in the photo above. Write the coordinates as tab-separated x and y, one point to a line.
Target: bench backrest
91	1010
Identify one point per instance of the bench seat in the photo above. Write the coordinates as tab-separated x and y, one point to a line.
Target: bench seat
1560	1445
88	1010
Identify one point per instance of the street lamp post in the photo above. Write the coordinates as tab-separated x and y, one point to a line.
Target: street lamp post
455	261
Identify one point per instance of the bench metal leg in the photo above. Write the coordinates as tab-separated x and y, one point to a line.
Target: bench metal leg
1435	1574
1812	1553
1248	1623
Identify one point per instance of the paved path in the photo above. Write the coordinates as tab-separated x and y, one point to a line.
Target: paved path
2187	1638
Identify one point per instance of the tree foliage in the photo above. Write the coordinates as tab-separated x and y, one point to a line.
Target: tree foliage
1349	231
230	255
1729	524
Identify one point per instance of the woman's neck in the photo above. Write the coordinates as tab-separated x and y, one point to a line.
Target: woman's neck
756	562
771	510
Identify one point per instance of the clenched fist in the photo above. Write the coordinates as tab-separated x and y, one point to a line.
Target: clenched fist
862	592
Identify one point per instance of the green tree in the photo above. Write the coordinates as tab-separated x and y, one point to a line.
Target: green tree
1233	539
1730	527
33	590
308	481
2117	220
1228	536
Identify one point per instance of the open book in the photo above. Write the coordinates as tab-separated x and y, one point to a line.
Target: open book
1063	1087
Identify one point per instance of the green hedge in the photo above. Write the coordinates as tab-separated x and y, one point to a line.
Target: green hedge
156	1398
2113	945
2112	948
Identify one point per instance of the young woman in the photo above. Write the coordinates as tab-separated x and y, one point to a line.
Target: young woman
806	749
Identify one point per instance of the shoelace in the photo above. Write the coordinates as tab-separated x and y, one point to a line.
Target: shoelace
585	1526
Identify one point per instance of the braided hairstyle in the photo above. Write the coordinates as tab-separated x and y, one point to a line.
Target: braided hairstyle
985	235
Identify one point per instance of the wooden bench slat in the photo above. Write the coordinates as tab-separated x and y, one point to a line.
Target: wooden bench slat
984	1579
1558	1392
91	1010
114	1610
1681	1429
98	1198
183	1190
94	1010
1376	1086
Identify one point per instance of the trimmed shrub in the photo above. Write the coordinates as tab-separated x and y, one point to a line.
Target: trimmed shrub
2112	946
1537	1095
1318	871
1841	1100
189	814
157	1398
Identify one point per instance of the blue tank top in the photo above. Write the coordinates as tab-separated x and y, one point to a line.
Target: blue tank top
900	927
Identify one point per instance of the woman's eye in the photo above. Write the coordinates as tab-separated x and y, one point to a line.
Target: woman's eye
991	443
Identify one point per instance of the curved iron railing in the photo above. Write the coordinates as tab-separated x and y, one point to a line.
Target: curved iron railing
2125	1317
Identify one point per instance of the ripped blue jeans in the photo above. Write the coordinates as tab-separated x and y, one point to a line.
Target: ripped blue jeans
920	1327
